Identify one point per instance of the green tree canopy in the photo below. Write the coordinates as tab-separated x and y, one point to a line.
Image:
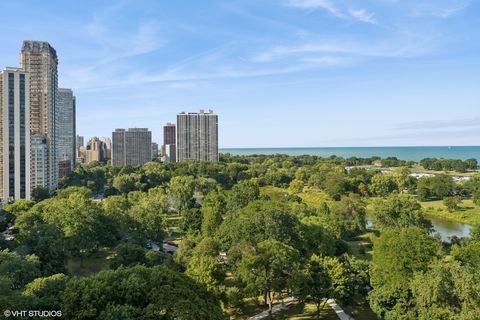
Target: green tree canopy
138	293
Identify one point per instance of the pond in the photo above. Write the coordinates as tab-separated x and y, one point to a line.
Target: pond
448	228
445	228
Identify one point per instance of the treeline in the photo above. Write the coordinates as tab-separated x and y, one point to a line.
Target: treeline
269	247
449	164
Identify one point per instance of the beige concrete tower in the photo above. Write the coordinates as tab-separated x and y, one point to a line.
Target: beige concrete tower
39	59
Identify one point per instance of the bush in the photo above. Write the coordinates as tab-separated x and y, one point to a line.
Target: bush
452	203
234	296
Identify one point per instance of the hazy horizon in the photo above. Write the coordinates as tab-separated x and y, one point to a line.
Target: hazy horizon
299	73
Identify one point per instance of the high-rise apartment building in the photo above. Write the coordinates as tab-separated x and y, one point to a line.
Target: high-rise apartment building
154	150
79	142
14	134
197	136
169	143
107	147
132	147
39	59
66	131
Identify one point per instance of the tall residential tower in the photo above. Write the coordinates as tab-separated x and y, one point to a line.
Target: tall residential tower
197	136
132	147
66	131
169	152
39	59
14	135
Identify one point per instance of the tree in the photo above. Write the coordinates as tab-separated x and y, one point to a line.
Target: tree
18	269
213	208
65	193
82	221
383	184
452	203
205	185
447	290
126	183
206	270
436	187
45	293
335	184
47	242
138	292
117	208
397	254
18	207
399	211
270	268
181	190
243	193
39	194
128	254
296	186
259	221
314	284
148	213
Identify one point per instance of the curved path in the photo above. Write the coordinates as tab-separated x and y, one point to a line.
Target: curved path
342	315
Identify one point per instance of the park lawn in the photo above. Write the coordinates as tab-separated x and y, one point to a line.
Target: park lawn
360	309
468	213
95	263
450	173
314	197
302	311
361	247
275	193
311	196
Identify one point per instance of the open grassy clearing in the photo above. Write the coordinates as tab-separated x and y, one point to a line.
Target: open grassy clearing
468	212
95	263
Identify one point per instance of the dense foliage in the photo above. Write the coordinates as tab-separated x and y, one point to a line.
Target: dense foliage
261	227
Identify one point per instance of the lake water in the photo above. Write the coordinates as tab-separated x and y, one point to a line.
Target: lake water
404	153
445	228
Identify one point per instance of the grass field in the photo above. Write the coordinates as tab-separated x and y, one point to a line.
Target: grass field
310	196
468	213
95	263
451	173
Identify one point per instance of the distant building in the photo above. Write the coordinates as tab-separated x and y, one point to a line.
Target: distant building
197	136
154	150
14	134
132	147
66	131
38	155
107	147
79	142
169	143
95	150
39	59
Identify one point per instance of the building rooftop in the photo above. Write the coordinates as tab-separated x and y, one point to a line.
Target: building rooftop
38	46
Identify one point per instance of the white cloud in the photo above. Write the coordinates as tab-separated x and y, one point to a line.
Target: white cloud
316	4
363	16
338	10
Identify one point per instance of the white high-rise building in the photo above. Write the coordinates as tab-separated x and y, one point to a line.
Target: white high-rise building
197	136
14	134
39	59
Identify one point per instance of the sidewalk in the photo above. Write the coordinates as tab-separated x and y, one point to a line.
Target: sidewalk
290	300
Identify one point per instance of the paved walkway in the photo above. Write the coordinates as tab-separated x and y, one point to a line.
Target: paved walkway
342	315
280	306
338	310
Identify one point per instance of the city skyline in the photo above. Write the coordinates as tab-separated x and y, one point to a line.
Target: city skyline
377	74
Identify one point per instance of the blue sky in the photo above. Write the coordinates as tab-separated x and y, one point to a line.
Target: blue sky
278	72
